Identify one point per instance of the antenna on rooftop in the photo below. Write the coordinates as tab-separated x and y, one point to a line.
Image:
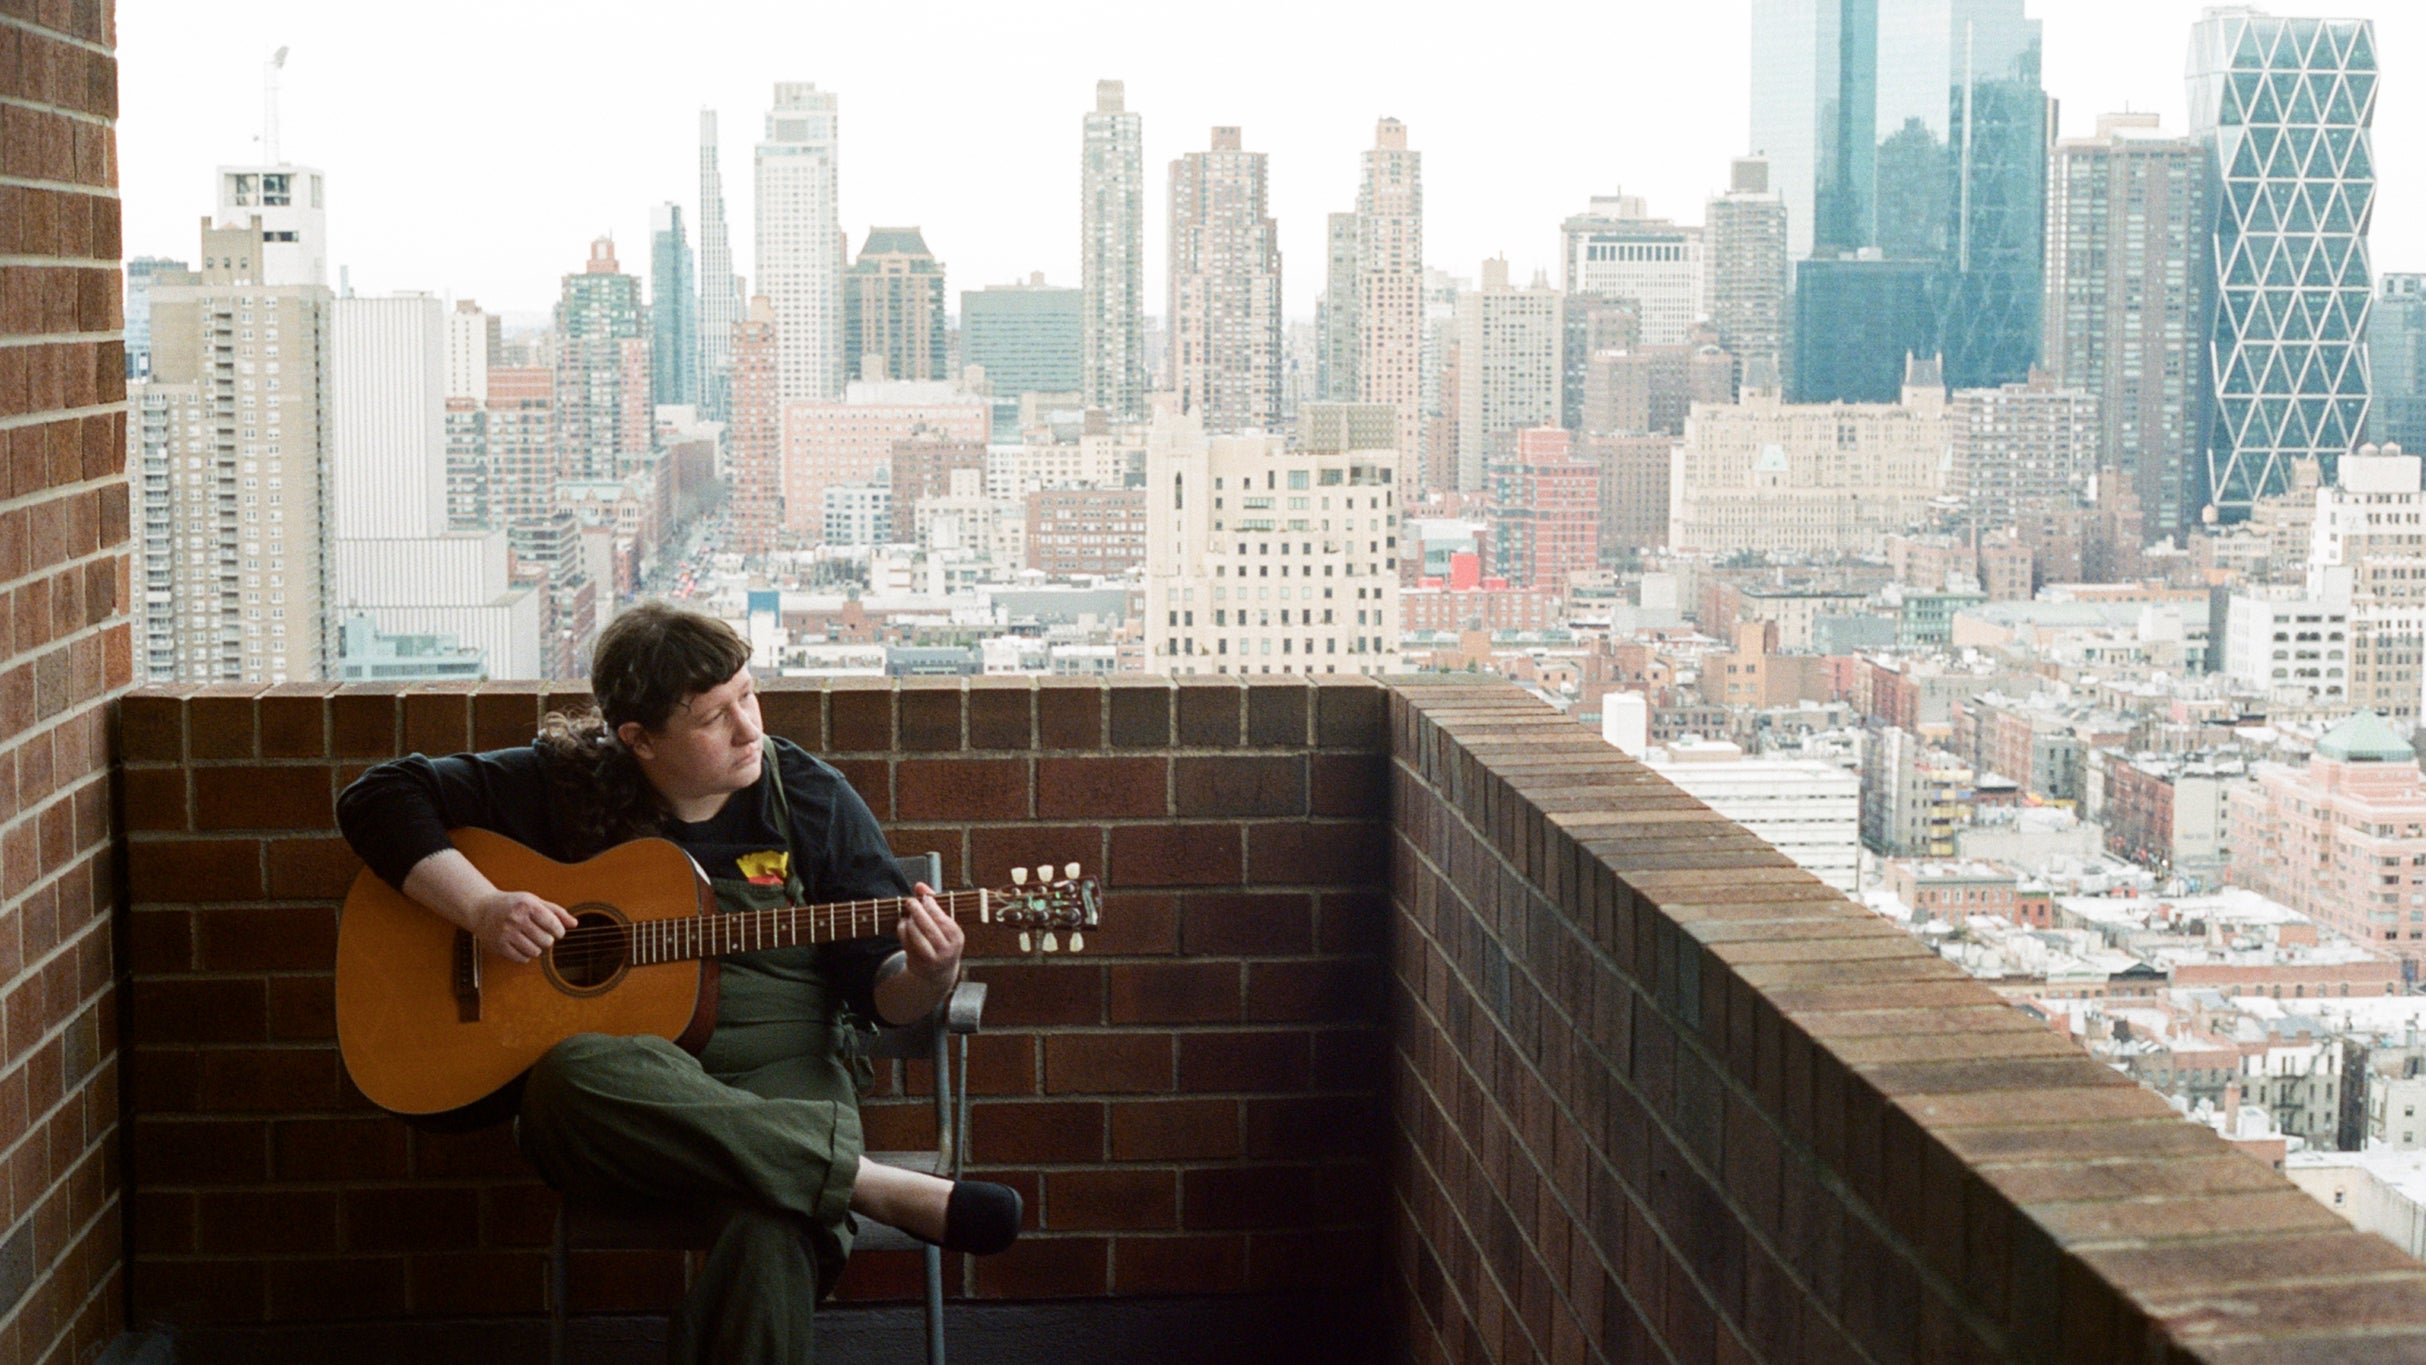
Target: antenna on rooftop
269	107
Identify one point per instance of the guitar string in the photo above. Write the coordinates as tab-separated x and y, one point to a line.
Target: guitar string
647	941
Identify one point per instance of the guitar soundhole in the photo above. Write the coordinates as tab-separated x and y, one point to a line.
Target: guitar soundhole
593	955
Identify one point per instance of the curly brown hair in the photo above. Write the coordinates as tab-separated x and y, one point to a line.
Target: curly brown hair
647	661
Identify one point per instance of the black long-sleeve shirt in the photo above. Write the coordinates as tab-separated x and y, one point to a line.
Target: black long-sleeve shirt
399	813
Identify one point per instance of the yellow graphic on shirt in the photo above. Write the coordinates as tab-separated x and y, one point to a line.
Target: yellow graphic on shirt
768	868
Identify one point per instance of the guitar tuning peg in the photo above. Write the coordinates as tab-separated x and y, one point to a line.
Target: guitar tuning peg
1044	872
1070	870
1078	941
1019	876
1051	944
1023	940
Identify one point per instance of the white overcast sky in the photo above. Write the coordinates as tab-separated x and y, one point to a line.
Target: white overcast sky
474	149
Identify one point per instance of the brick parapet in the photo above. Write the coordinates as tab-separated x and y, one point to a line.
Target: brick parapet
1191	1106
1657	1094
64	646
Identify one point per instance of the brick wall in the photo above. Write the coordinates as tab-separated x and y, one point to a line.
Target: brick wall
1192	1106
63	653
1658	1095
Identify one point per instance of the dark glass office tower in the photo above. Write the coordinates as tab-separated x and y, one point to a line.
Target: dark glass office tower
1855	323
1914	131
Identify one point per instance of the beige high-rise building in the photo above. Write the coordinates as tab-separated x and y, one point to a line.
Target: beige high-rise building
1226	360
1751	283
1616	249
1111	257
2020	444
230	472
1390	286
1809	478
1260	559
1335	314
1510	365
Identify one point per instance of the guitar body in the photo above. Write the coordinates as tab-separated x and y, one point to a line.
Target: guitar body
429	1024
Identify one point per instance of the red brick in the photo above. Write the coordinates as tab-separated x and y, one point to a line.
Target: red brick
961	789
1277	714
302	938
155	798
1001	713
311	869
303	1008
1356	786
1313	1127
995	849
1261	1062
1172	993
1041	992
1248	1198
1298	853
1141	713
1188	1264
263	798
1111	1200
1175	1130
338	1149
930	710
1102	786
480	1152
504	715
285	1080
214	1151
198	1010
1019	1133
438	718
862	717
1247	924
219	720
325	1289
198	1291
1042	1268
1240	785
1107	1063
1296	1262
151	726
411	1218
1133	923
1210	712
625	1281
498	1282
363	722
1202	853
1070	713
189	870
1333	990
256	1221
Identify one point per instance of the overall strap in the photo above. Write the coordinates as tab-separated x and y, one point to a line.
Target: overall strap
773	763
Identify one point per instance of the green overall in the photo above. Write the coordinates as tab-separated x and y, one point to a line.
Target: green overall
766	1118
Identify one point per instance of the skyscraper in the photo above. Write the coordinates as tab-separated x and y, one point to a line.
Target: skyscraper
1112	256
1917	129
673	310
1511	347
1226	361
800	245
1390	287
1616	250
602	397
1335	313
232	470
719	289
138	316
1028	338
1858	322
1745	245
2396	361
2284	107
2126	277
892	309
756	438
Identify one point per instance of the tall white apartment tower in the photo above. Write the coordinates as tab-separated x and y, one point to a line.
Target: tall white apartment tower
1261	559
719	288
1510	366
1226	357
800	246
1390	287
228	457
1112	257
288	200
1615	249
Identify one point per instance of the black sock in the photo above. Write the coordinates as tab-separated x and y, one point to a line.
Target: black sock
982	1217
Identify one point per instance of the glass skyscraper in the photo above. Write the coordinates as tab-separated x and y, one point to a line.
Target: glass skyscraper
673	310
2284	107
2396	359
1915	130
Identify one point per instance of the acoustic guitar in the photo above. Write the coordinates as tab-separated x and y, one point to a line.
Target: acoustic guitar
430	1023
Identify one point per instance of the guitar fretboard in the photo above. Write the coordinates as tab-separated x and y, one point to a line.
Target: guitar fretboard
750	931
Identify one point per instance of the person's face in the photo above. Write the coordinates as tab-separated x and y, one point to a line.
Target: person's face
708	746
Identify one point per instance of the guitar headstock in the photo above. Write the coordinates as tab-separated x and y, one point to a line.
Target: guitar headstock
1042	907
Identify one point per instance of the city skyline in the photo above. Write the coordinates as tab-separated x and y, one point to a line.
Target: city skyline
1497	180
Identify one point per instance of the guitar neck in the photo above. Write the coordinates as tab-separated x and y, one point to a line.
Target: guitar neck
750	931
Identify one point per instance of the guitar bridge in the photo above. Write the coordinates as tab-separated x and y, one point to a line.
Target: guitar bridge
467	977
